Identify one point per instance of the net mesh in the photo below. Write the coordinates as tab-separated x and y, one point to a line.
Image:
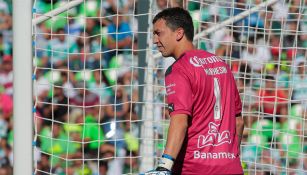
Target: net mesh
91	101
267	53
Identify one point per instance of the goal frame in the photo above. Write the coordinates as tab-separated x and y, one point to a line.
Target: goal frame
22	63
22	85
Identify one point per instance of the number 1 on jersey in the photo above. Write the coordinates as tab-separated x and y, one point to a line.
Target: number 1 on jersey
217	105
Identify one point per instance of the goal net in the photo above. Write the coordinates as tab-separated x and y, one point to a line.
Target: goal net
99	82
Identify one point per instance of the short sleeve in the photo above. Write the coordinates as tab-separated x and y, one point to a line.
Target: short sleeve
238	103
127	29
178	92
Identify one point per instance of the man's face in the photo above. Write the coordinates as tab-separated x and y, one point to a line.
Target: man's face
301	68
117	20
251	49
164	38
58	92
270	84
162	4
61	35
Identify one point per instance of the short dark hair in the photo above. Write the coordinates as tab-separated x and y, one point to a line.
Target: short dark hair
269	77
175	18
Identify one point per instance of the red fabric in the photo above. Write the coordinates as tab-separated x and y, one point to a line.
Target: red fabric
275	51
6	103
269	98
211	143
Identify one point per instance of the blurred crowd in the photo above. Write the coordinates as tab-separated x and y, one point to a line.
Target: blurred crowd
267	51
86	89
6	88
86	84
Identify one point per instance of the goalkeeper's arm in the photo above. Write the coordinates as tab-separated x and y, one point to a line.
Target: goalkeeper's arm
176	134
239	128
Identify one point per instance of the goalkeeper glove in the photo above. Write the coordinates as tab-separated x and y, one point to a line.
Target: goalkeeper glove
164	167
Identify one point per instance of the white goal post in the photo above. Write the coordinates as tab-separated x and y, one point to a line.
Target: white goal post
23	114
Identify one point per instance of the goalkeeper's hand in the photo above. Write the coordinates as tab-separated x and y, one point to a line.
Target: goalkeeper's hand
164	167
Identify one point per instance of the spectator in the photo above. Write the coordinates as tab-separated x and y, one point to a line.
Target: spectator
299	83
239	26
120	36
305	160
270	25
91	27
100	86
119	31
116	110
41	43
67	82
226	49
90	49
272	101
6	105
55	141
280	10
129	80
6	22
5	47
162	4
256	55
43	164
276	48
247	94
83	43
6	153
41	90
6	74
118	106
303	24
56	107
290	37
86	98
121	6
131	163
58	50
4	7
81	168
103	167
95	57
4	126
89	132
291	136
73	26
281	76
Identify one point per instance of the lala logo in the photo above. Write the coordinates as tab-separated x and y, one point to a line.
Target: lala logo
214	138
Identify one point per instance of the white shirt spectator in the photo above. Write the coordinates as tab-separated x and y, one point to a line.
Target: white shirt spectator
4	7
280	10
257	56
69	90
42	86
6	80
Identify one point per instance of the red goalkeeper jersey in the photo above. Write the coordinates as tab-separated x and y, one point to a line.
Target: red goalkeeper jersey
202	86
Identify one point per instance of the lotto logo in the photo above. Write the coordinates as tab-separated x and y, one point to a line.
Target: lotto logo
214	138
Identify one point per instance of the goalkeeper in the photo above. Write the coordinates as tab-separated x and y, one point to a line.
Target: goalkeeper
206	124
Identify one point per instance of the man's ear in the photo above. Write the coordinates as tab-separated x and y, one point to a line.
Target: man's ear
180	34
